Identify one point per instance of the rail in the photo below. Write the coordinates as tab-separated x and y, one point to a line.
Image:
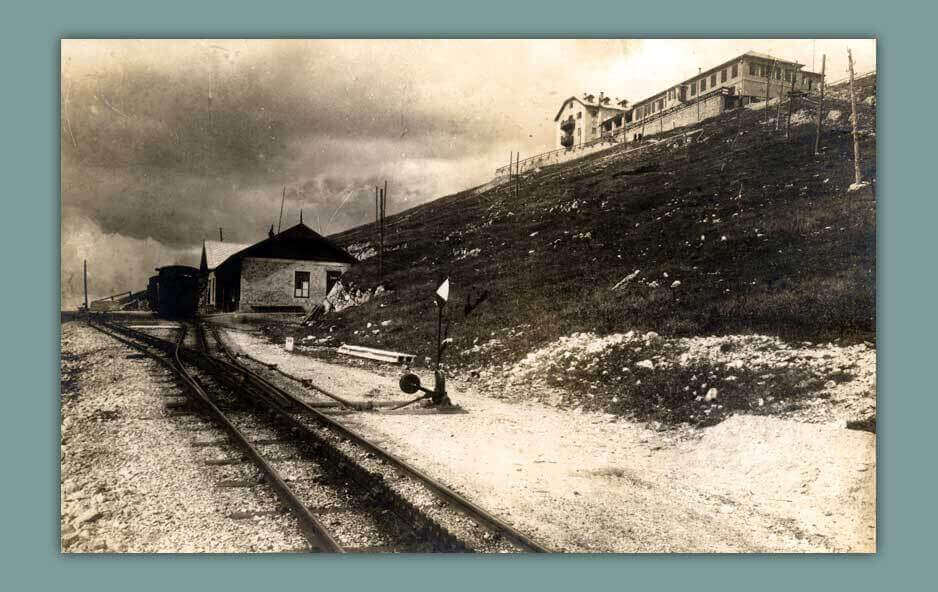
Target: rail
856	78
315	532
440	489
279	400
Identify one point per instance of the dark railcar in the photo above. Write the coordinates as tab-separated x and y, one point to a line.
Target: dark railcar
153	291
178	291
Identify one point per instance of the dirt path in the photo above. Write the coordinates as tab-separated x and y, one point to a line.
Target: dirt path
585	482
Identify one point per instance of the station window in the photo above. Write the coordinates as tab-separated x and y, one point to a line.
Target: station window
693	89
723	75
301	284
579	115
752	70
735	72
703	84
713	81
660	104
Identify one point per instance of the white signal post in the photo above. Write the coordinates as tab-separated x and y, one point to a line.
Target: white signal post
442	296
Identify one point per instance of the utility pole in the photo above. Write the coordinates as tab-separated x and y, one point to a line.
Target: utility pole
384	194
791	101
282	198
698	97
820	103
517	173
86	284
853	119
768	80
221	236
378	229
778	105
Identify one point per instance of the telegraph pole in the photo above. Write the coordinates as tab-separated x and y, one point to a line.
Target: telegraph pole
820	103
283	197
856	141
86	284
768	80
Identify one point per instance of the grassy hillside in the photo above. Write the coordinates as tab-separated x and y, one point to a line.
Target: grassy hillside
761	234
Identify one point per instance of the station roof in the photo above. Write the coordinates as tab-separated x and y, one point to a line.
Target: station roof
214	253
299	243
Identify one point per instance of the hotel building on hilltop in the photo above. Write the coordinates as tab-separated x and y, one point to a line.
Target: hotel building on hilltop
740	81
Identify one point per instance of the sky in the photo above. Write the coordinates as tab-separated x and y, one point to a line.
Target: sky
166	141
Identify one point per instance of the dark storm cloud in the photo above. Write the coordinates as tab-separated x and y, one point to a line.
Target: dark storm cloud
173	148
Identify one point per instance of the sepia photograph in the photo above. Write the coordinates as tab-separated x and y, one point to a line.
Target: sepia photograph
468	295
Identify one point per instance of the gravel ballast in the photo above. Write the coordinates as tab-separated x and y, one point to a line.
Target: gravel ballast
133	473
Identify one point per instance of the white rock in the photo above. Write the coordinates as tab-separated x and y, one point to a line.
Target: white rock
675	283
735	364
385	323
711	395
646	364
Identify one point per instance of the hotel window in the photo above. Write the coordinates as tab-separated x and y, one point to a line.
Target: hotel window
778	73
579	115
713	81
660	104
735	72
693	89
703	85
723	75
301	284
752	70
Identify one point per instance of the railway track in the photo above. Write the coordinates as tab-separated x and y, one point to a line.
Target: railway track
337	483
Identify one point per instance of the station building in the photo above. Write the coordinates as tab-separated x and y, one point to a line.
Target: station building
288	272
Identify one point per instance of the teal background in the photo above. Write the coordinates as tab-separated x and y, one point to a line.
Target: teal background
908	209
